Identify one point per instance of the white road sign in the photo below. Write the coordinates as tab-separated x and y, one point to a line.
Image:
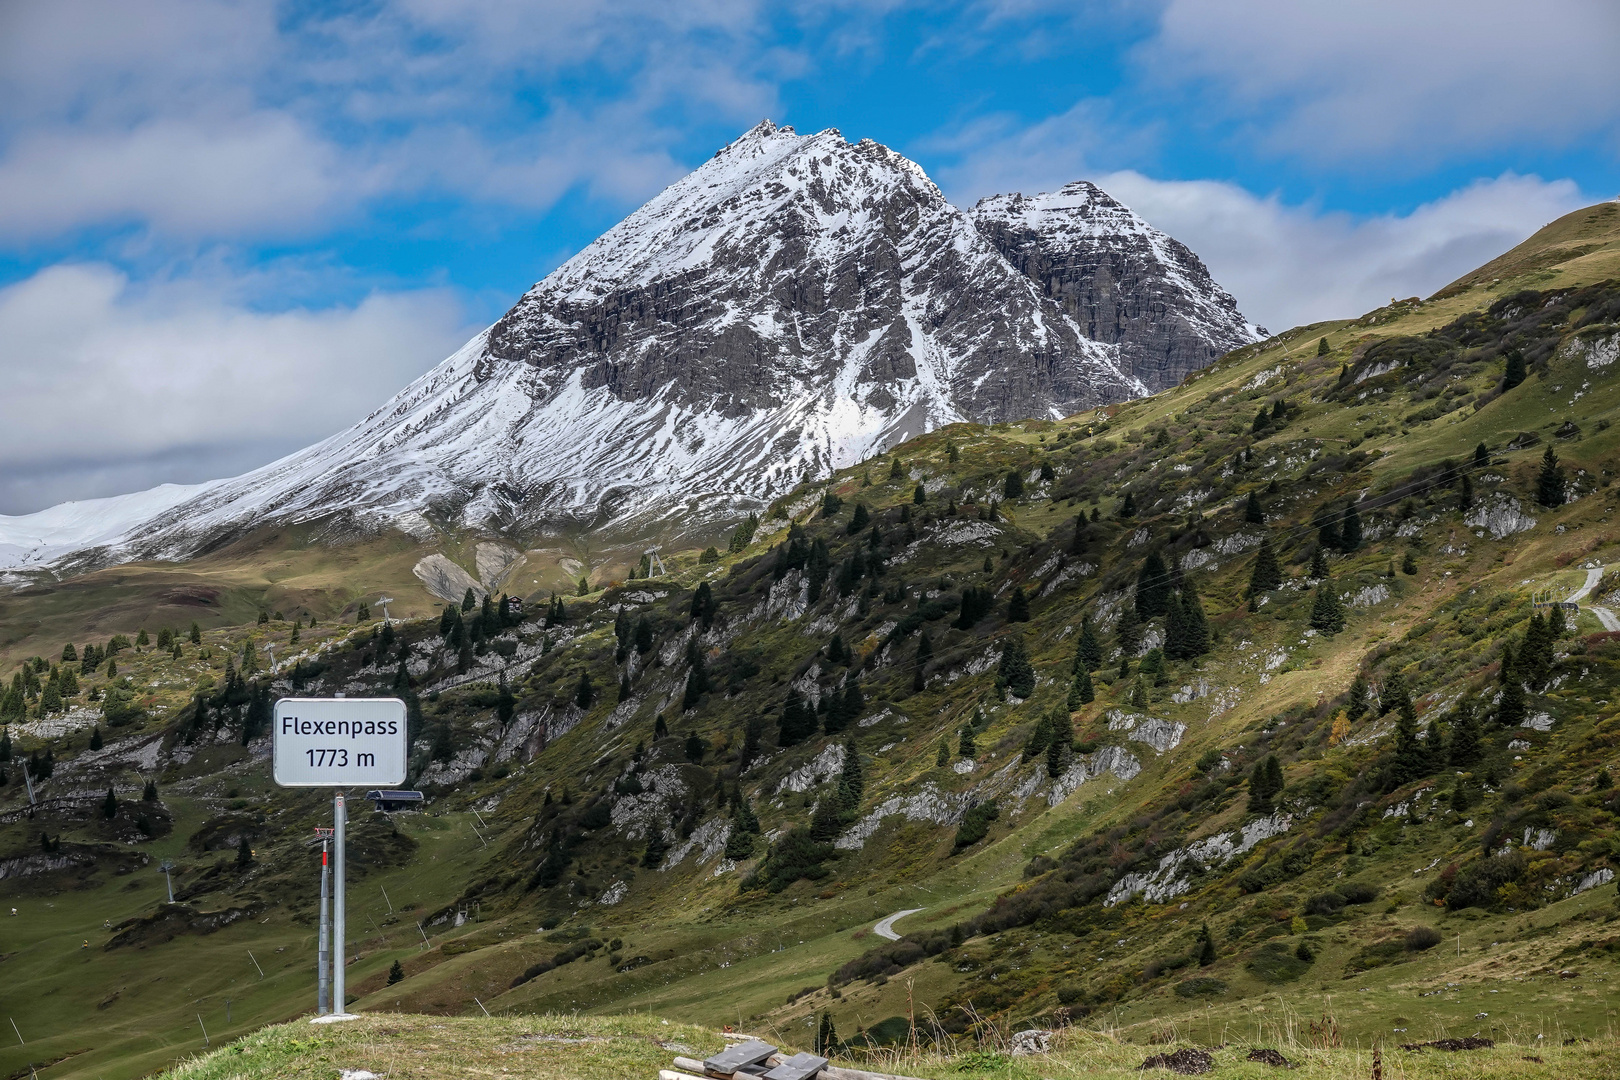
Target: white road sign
339	742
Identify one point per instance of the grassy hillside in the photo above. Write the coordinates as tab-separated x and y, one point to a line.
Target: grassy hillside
1435	858
588	1048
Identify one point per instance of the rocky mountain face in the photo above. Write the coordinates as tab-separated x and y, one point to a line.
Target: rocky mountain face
792	306
1120	280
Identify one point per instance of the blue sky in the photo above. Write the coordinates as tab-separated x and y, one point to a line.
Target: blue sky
231	227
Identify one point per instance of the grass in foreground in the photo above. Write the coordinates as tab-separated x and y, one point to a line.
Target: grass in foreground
401	1046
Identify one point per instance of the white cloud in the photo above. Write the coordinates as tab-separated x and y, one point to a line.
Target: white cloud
113	386
1289	265
1409	82
251	175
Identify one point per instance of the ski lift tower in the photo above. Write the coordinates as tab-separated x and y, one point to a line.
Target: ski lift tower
654	560
383	602
166	865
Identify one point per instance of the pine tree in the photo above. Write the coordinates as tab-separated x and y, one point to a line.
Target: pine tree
661	729
396	973
1015	672
697	675
1465	747
1253	512
1267	572
109	805
1088	651
469	601
656	847
1129	633
1261	792
95	738
1153	587
244	852
1550	481
584	693
1482	456
798	720
1322	347
1515	371
149	793
643	636
826	1036
858	520
943	757
1013	486
1350	528
920	496
624	687
1410	757
1127	509
1082	691
1327	610
1018	606
1175	629
1206	947
1465	492
1138	695
965	746
1319	568
1356	706
896	471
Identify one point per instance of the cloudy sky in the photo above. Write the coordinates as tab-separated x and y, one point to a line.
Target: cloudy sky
231	227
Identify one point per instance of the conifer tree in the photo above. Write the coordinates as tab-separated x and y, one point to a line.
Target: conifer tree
1013	485
149	793
1465	747
1482	456
798	720
1206	946
656	847
1138	695
1088	651
1319	567
1253	512
1175	629
896	471
69	653
1327	610
1550	481
943	757
920	496
1127	508
965	746
1321	350
1350	528
1465	492
1129	632
584	692
1267	572
109	805
1410	758
1018	606
697	675
644	636
1356	706
1153	587
826	1036
1015	672
95	738
1515	371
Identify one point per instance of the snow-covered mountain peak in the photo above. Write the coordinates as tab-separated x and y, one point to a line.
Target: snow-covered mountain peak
795	304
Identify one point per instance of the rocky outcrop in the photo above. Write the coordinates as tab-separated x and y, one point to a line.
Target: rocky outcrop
1122	281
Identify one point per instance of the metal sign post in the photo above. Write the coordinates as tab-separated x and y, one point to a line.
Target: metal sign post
323	948
337	743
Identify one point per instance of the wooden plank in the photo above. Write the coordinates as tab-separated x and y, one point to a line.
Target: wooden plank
797	1067
733	1058
833	1072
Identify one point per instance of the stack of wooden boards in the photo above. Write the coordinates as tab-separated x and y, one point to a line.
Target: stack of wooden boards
755	1059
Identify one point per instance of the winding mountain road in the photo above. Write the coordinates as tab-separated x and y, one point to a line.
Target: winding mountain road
885	927
1594	574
